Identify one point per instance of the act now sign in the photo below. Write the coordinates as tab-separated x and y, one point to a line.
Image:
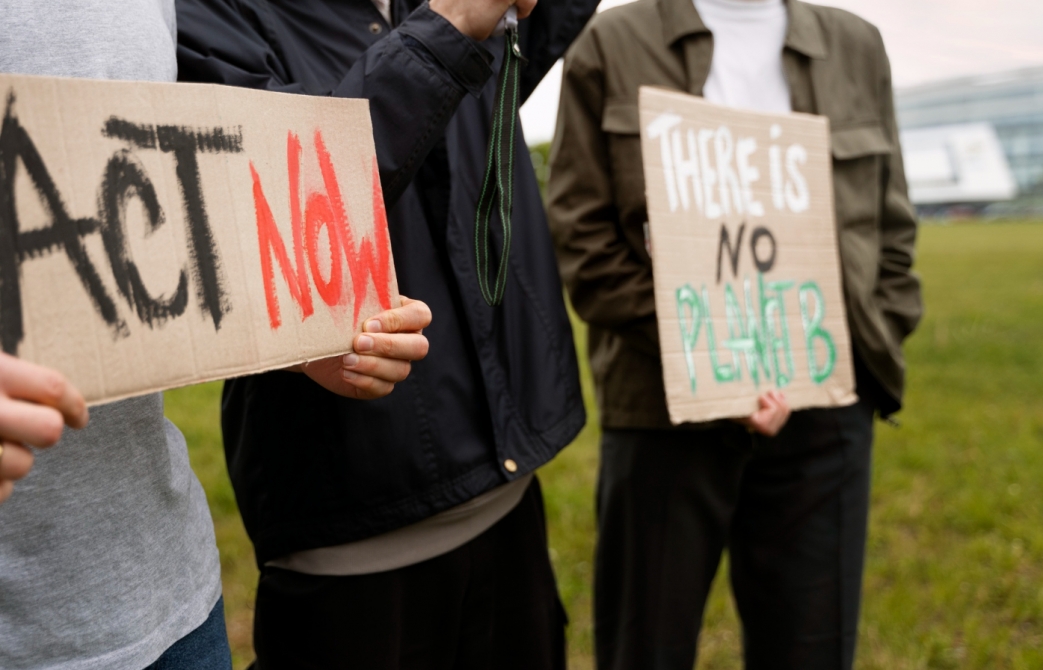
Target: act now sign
156	235
744	256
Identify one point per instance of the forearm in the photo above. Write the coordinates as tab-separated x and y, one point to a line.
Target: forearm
608	287
609	283
414	79
898	287
898	290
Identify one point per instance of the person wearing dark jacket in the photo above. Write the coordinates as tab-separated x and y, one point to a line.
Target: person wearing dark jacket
791	509
409	531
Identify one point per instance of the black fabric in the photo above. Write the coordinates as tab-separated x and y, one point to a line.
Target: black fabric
792	512
491	604
500	383
868	387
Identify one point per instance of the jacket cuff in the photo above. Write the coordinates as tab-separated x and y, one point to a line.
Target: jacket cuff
465	59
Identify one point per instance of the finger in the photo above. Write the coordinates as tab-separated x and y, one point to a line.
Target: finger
403	346
764	427
783	406
775	423
409	301
768	420
28	381
6	488
760	418
388	369
15	461
368	388
29	423
755	427
413	316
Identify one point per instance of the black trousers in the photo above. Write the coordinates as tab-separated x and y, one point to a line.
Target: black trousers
791	510
491	604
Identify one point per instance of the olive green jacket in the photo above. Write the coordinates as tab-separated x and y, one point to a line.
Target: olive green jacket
836	66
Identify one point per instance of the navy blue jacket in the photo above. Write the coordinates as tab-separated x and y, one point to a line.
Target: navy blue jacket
311	469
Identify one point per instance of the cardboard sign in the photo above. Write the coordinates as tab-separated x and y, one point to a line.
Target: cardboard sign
744	256
157	235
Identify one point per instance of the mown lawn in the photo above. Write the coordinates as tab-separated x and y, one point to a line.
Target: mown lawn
955	568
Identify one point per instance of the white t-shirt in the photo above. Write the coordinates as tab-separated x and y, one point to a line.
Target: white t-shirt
748	38
384	7
107	551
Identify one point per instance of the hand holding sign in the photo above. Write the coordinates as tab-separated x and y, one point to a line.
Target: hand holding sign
382	354
35	404
772	414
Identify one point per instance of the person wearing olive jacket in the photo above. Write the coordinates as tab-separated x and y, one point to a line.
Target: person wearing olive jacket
792	509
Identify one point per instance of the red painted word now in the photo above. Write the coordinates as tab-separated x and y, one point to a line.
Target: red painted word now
365	260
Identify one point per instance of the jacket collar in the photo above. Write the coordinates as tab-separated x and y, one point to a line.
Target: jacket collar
805	32
680	19
804	35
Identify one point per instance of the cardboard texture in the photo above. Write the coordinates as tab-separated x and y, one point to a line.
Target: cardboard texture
157	235
744	255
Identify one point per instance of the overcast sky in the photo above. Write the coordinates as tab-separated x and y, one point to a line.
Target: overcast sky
927	40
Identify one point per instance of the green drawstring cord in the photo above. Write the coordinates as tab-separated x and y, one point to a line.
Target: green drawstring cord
498	185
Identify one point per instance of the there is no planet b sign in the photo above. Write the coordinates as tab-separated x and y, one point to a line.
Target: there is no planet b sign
744	257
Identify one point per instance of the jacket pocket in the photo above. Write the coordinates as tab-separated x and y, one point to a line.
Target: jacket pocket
621	118
859	155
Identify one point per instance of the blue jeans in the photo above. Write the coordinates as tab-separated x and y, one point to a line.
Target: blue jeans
205	648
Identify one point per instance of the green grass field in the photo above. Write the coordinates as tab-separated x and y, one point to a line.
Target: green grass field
954	575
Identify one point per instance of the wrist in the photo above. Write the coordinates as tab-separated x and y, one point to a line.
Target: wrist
454	14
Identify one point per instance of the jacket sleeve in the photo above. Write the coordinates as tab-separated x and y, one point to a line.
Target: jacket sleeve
414	79
898	287
610	286
546	35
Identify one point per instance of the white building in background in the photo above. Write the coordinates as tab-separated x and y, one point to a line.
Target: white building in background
966	118
961	163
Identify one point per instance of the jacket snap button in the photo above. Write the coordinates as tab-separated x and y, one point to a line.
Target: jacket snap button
510	466
375	28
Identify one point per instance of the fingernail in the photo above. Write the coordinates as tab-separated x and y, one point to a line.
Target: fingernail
349	376
373	326
351	360
364	343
